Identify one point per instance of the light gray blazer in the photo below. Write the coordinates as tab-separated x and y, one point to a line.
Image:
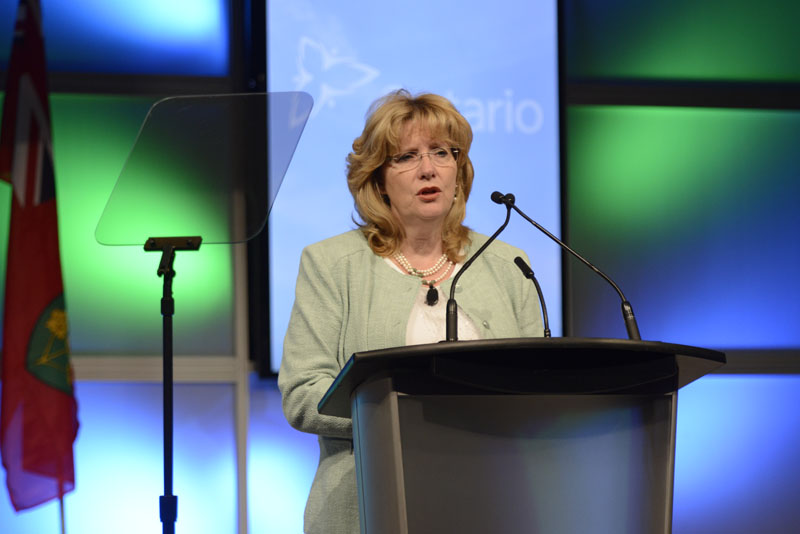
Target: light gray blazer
347	300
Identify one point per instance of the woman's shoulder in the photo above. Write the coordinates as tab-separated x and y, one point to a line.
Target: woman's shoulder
498	248
345	244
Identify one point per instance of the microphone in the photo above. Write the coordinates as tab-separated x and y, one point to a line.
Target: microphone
528	272
627	309
451	319
499	198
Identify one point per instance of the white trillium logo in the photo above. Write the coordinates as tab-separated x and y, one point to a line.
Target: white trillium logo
328	76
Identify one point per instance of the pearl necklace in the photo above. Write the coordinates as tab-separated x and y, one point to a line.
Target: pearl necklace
432	297
401	259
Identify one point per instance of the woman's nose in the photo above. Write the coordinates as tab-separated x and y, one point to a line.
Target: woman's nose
426	166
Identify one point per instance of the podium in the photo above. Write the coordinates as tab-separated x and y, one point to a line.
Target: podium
550	435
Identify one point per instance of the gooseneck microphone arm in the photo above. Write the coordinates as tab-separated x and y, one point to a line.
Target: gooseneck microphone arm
627	309
451	319
528	272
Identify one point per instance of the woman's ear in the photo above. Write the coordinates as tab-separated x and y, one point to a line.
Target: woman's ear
382	192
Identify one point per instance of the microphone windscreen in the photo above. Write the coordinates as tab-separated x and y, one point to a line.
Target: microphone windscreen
524	267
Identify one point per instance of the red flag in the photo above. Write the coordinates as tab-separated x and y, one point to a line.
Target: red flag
38	412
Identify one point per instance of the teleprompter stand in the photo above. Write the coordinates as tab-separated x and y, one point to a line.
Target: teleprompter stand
203	167
168	503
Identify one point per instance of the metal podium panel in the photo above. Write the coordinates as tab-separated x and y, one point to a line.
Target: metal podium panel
507	463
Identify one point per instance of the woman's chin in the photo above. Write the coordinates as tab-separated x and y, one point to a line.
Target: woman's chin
432	216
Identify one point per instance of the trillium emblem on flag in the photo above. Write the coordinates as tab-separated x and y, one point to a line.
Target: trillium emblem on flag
48	352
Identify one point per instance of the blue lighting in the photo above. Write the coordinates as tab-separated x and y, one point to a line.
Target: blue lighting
280	464
181	37
736	458
119	463
736	461
703	244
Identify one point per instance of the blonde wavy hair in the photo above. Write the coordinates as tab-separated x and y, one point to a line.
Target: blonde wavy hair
381	139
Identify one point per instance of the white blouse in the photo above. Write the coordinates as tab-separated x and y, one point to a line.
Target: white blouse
427	324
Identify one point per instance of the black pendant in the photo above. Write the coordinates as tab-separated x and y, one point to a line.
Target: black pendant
432	297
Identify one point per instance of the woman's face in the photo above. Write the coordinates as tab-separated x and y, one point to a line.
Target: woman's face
421	196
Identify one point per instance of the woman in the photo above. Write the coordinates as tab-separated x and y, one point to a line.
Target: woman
384	284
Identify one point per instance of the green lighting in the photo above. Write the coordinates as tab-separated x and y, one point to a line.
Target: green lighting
113	293
641	170
734	40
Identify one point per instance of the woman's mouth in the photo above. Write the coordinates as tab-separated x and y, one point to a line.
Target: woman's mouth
428	193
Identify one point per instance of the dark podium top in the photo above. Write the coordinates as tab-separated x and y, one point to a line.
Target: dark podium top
521	366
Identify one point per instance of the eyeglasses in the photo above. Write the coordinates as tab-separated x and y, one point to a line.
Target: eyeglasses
441	157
